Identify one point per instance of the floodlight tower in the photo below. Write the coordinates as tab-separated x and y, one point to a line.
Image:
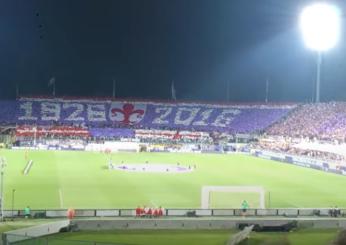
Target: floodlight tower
320	24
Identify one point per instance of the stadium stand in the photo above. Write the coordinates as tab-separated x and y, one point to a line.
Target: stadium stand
94	123
157	122
294	147
324	121
315	131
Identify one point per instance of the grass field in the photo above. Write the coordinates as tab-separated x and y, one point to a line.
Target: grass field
61	179
200	237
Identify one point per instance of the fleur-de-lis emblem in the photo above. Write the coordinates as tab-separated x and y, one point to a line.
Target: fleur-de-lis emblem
128	113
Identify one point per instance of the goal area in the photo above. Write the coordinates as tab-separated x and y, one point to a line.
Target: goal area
237	192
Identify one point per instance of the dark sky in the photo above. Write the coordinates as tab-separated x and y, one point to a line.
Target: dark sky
145	44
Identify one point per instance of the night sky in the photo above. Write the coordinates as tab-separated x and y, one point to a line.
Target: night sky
146	44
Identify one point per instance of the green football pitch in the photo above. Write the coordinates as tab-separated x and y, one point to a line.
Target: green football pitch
63	179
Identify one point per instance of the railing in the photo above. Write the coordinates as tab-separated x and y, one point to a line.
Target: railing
283	212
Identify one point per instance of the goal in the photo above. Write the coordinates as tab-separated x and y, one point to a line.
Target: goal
207	190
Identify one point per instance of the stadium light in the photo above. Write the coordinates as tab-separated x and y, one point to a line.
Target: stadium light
320	24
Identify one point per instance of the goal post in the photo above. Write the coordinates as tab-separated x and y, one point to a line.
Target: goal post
207	190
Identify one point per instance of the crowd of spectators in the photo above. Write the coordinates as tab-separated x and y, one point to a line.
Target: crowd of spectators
324	121
288	147
35	133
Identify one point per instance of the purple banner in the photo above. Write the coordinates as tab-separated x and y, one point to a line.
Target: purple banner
235	118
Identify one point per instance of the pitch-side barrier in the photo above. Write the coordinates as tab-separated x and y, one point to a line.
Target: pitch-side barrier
282	212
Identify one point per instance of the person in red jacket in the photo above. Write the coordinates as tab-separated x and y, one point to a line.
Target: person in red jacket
138	211
70	213
149	213
160	212
156	212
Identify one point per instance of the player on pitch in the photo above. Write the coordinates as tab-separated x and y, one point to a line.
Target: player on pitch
244	207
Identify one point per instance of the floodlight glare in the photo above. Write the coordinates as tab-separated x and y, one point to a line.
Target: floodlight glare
320	24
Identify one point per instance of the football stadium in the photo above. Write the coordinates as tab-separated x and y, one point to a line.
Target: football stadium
112	161
80	165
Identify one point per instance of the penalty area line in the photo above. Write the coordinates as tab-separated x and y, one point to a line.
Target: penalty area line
153	203
61	199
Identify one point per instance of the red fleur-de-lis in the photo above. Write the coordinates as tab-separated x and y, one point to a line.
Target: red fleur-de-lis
127	111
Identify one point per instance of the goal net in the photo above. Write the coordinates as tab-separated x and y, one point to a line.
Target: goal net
232	196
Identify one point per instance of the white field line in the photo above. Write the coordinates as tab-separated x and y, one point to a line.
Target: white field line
154	204
28	167
61	198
